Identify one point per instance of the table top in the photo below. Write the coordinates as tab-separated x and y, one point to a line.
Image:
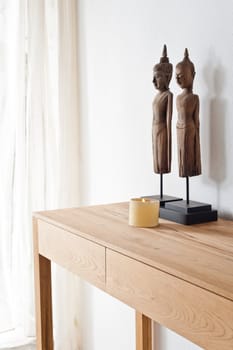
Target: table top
200	254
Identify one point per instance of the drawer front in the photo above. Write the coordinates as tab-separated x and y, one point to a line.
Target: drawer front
76	254
200	316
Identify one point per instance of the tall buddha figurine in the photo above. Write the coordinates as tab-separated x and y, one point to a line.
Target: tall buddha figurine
188	212
188	120
162	115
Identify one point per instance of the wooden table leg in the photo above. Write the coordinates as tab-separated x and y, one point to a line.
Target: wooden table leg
43	297
143	332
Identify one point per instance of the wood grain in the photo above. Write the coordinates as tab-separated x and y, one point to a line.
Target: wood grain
180	276
188	133
200	254
199	315
162	115
143	332
76	254
43	297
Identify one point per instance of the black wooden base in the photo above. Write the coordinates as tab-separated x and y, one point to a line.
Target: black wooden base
165	199
194	213
192	207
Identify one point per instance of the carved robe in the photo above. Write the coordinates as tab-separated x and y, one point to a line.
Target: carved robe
161	132
188	138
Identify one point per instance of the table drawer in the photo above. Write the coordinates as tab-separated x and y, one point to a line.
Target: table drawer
78	255
197	314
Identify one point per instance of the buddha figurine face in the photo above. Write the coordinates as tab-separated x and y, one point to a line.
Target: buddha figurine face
184	76
162	72
160	80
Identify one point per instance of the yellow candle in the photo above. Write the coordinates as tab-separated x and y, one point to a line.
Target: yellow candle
143	212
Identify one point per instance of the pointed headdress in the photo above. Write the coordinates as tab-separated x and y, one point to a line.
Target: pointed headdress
186	61
164	65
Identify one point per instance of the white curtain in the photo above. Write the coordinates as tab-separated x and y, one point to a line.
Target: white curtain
15	273
39	156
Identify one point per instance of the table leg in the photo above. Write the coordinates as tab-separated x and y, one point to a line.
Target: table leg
43	297
143	332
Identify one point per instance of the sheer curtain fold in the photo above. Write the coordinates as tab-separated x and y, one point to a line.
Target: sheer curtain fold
68	99
54	116
12	155
39	137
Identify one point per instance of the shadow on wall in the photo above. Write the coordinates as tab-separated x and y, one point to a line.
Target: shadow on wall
215	126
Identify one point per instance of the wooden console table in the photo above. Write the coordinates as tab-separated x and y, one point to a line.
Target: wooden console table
179	276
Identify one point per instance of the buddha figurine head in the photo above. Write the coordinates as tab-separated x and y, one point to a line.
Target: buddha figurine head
162	72
185	72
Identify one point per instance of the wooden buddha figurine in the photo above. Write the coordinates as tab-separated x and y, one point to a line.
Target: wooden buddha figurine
162	115
188	137
188	212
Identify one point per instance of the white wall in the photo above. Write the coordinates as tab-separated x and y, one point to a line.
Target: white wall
120	41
